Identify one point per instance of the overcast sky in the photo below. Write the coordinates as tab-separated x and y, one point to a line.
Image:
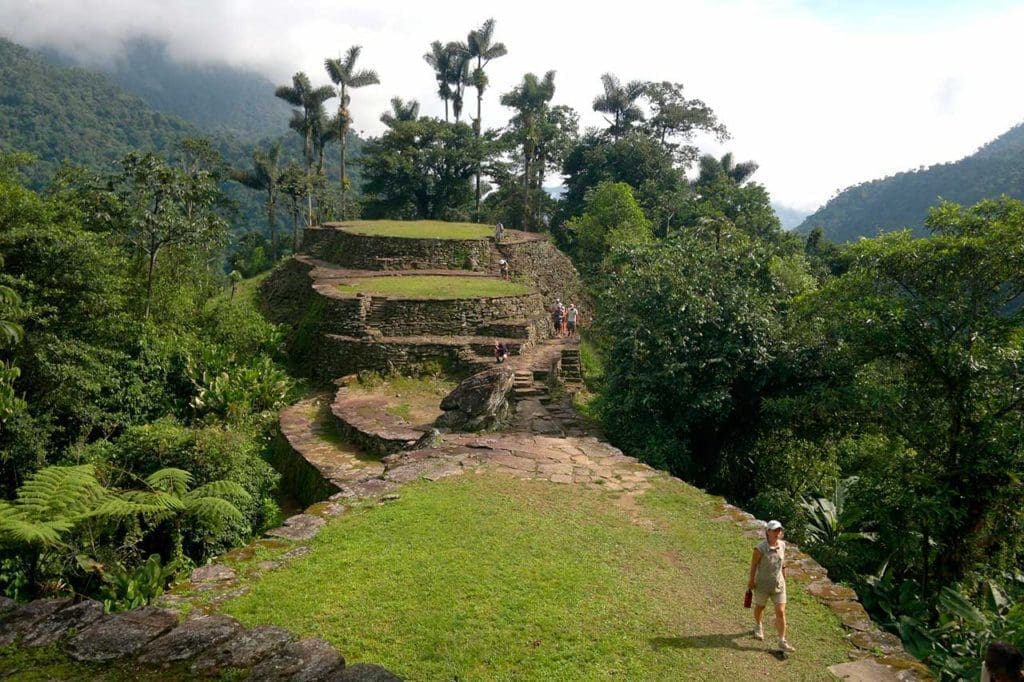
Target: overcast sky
821	94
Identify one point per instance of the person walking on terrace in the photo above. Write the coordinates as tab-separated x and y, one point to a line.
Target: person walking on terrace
556	316
572	318
503	266
768	581
499	233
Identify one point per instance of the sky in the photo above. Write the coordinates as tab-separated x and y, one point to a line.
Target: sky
821	94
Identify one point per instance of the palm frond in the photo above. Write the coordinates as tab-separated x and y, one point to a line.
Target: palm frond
364	78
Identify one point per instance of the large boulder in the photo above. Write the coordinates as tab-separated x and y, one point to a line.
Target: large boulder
479	402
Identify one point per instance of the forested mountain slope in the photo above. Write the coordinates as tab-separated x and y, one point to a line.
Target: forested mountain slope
70	114
215	97
903	200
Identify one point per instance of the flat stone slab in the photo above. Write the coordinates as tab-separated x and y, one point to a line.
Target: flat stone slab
876	640
852	615
864	670
121	634
212	573
308	660
242	650
826	590
54	626
189	639
299	527
368	489
367	672
20	620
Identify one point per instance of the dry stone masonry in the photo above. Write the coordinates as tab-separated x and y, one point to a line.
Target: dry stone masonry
337	333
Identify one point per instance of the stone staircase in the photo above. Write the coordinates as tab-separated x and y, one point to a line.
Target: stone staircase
571	369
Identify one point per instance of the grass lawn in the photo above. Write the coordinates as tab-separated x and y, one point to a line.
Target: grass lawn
433	286
419	229
486	577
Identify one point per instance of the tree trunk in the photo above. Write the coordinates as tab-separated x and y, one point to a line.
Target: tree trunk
149	281
479	126
273	225
344	186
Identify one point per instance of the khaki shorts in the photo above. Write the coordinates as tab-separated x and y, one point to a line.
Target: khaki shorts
761	598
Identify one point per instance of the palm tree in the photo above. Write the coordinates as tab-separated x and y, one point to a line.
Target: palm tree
265	175
344	75
459	76
480	47
441	59
530	99
711	169
400	111
619	101
306	118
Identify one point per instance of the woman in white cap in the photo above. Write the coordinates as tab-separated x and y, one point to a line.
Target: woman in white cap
768	581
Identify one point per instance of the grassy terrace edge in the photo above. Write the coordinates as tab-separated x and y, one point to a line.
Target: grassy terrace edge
432	287
501	579
415	229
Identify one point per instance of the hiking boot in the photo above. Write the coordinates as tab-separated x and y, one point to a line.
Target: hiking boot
758	631
785	646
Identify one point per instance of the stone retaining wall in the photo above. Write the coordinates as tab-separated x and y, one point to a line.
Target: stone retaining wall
338	356
298	475
203	646
448	317
548	270
367	252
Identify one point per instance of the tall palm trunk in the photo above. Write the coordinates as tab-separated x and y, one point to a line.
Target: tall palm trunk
479	127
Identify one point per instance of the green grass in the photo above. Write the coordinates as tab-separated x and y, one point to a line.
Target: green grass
485	577
419	229
433	286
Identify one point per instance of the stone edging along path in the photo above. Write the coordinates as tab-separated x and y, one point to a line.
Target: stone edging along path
200	646
574	460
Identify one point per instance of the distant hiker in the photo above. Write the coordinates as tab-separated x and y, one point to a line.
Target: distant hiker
556	316
563	331
768	581
503	264
500	352
572	318
499	232
1003	663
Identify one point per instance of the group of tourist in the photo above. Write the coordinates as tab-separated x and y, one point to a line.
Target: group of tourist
566	320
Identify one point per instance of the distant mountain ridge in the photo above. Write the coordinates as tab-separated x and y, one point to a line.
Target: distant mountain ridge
59	114
902	200
215	97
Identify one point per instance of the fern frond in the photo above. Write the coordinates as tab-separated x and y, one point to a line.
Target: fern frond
25	531
224	489
60	492
215	511
155	502
170	480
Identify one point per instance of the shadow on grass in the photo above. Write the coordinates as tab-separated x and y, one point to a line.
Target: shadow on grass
717	641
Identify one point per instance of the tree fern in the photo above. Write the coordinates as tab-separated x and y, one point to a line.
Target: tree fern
170	480
214	511
49	504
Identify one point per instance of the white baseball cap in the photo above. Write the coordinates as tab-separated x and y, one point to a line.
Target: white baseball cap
773	525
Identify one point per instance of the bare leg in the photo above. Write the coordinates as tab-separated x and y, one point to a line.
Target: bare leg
780	620
758	613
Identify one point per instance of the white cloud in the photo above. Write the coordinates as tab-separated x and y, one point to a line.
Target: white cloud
818	102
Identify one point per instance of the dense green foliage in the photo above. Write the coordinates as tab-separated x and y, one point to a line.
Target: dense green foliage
902	200
192	384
